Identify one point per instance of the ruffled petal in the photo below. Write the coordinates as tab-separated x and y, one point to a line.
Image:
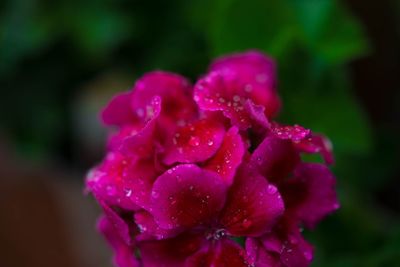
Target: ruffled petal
186	196
274	158
124	253
310	195
118	111
252	206
228	157
195	142
171	252
225	253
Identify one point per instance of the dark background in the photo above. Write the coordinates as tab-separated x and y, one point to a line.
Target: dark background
60	61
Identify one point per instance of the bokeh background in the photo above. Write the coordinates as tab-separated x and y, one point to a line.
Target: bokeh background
60	61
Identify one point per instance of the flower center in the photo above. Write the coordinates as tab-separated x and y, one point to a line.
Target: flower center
216	234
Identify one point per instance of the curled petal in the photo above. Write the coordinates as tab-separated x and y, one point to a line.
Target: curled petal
171	252
119	111
194	142
310	195
226	253
124	253
318	143
186	196
274	158
142	143
228	157
252	206
174	91
120	226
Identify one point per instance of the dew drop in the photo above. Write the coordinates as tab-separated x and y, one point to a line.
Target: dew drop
194	141
271	189
246	223
236	98
210	142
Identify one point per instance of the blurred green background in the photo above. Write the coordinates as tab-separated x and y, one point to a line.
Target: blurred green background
339	73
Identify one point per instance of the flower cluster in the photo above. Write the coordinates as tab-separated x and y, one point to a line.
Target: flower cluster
202	176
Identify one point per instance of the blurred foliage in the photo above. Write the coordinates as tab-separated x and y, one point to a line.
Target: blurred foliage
49	48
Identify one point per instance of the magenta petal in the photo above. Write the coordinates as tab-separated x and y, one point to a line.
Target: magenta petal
252	206
274	158
296	133
120	226
149	229
259	256
142	143
228	157
194	142
287	245
171	252
186	196
118	111
310	195
216	92
233	80
124	254
175	93
107	184
225	253
257	114
318	143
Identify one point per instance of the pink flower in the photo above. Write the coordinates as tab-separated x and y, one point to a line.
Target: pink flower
190	171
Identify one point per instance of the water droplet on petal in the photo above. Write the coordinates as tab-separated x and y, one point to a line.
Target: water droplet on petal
210	142
194	141
155	194
246	223
271	189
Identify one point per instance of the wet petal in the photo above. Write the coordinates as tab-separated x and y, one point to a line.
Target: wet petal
122	181
171	252
194	142
175	93
252	206
226	253
142	143
235	79
318	143
259	256
228	157
296	133
287	245
149	229
121	228
119	111
124	254
274	158
186	196
310	195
